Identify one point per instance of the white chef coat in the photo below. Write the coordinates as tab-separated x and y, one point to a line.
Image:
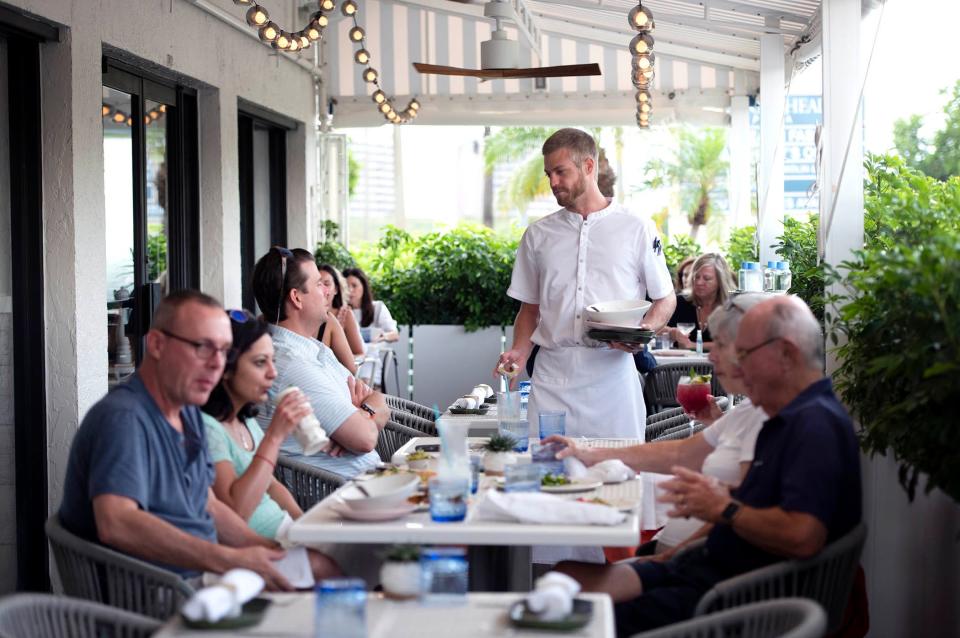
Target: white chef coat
565	263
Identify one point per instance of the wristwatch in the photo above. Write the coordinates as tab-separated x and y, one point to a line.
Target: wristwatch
366	408
729	512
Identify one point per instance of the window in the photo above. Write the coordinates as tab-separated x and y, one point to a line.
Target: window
150	183
263	188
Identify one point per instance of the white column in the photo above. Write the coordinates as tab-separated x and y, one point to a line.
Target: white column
741	160
220	197
842	79
770	184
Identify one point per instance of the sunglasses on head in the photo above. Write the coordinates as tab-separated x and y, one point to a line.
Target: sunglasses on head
285	253
238	315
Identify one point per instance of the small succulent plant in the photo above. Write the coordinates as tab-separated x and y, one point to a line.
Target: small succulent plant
404	553
500	443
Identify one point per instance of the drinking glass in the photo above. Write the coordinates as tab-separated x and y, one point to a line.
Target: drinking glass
692	396
448	499
519	430
521	477
686	328
341	608
508	405
552	422
444	573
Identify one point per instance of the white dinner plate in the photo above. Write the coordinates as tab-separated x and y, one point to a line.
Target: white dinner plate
599	325
571	488
380	514
676	353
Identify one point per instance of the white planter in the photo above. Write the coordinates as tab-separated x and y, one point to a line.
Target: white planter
400	579
494	462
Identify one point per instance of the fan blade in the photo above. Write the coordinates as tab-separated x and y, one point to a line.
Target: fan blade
493	74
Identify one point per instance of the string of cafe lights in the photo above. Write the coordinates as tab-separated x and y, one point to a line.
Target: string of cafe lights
641	68
120	117
291	42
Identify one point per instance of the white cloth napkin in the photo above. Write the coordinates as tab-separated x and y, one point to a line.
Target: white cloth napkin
552	597
543	509
224	599
466	403
609	471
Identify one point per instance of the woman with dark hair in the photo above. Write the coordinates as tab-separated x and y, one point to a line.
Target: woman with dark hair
682	281
339	331
243	456
369	312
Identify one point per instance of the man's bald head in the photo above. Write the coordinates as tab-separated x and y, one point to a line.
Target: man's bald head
789	318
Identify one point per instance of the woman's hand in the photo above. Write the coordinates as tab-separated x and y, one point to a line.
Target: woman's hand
710	413
293	407
343	312
683	341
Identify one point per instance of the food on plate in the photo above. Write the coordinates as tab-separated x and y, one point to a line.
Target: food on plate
420	498
418	455
554	480
596	500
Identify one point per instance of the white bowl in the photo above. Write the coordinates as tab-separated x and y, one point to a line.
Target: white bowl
624	312
384	492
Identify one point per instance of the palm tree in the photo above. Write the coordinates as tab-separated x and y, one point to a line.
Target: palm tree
696	167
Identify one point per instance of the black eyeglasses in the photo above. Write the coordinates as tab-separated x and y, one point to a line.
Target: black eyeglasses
285	253
203	349
746	352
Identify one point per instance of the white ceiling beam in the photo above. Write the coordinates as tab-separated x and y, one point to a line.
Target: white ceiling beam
680	51
740	7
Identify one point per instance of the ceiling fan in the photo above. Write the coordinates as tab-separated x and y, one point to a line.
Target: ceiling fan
499	55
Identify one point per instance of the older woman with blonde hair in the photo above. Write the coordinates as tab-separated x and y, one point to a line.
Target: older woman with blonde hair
711	284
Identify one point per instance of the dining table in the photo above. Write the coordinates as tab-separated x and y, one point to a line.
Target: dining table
499	551
477	615
477	423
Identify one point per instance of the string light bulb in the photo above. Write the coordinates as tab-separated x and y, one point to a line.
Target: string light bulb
154	115
294	44
640	18
104	110
643	96
362	56
313	31
644	60
282	41
385	107
327	5
119	117
370	75
163	108
645	107
379	96
414	105
269	32
257	16
349	8
304	41
321	20
641	43
357	34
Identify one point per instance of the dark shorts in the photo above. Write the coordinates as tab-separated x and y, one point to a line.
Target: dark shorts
670	592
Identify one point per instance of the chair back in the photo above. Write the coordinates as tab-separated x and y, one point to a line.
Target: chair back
826	578
49	616
95	572
392	438
406	405
657	431
410	420
663	380
662	415
387	358
783	618
307	483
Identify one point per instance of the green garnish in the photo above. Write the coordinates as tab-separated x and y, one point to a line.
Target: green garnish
418	455
551	480
699	378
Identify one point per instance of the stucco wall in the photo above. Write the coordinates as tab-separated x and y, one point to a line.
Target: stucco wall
168	37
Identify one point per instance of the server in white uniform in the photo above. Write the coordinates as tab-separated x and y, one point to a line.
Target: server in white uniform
589	251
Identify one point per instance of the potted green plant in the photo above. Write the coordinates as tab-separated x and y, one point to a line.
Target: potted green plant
498	452
400	572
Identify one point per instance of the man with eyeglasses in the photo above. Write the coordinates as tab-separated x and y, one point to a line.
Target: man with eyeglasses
139	475
801	492
290	292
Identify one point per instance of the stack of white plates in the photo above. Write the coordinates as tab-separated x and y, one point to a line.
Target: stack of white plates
378	499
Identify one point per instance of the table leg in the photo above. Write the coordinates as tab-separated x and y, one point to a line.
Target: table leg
499	568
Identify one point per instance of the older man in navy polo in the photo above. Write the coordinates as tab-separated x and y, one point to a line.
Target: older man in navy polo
801	492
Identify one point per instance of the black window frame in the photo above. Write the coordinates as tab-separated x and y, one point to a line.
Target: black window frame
250	117
25	36
183	187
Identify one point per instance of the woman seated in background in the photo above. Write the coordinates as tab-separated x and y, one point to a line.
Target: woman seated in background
243	456
368	311
724	451
335	333
681	281
711	284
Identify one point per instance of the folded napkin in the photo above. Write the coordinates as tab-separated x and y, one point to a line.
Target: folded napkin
552	597
224	599
609	471
539	508
466	403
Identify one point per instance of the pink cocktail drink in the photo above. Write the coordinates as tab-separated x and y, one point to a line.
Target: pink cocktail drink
693	394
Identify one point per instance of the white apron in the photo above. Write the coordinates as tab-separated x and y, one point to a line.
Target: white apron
600	390
598	387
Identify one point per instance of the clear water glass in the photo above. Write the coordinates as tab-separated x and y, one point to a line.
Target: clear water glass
521	477
341	608
519	430
545	457
552	422
444	574
475	462
508	405
448	499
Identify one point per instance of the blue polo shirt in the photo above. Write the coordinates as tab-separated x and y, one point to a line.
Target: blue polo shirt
806	460
126	447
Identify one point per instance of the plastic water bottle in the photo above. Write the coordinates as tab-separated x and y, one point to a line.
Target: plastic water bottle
784	276
742	276
770	274
699	341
